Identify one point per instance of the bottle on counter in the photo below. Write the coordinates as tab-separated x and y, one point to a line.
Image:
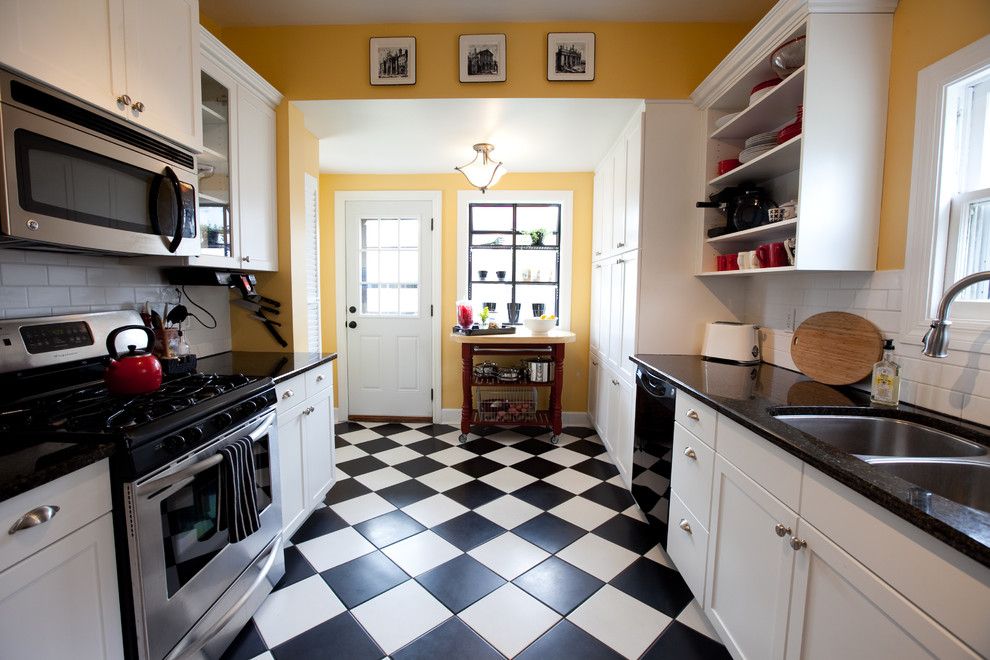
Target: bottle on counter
885	387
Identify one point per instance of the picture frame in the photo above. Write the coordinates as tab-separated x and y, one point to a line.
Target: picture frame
570	56
482	58
393	60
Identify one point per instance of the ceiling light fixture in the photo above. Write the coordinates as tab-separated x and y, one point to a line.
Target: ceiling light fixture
482	172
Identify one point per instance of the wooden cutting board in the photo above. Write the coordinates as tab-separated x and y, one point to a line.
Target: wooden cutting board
836	348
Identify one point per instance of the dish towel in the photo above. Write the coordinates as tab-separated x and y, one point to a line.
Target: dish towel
237	510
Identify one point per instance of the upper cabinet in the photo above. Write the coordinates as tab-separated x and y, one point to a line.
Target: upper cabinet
136	58
830	162
617	194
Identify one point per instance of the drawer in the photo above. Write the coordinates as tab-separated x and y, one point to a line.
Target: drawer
696	417
692	466
290	393
81	496
687	545
319	379
760	460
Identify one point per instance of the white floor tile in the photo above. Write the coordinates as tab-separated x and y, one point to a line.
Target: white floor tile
348	453
452	456
657	554
508	511
583	513
694	617
444	479
357	437
572	480
407	437
509	618
383	478
418	554
617	481
624	623
595	555
267	655
451	438
564	456
508	479
364	507
400	615
635	513
508	555
507	455
397	455
297	608
335	548
435	510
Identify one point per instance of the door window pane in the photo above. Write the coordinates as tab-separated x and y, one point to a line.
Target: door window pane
390	266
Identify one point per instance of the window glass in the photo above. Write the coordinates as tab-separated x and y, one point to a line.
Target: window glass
390	266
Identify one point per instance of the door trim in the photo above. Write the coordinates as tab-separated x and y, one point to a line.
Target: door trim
341	197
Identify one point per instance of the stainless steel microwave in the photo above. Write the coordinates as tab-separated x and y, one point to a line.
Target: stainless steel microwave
73	178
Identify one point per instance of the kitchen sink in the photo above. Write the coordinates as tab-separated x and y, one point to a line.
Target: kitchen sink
883	436
962	481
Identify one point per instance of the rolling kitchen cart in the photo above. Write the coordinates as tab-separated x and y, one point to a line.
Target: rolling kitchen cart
522	343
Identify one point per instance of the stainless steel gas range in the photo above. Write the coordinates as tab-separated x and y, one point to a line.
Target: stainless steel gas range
188	582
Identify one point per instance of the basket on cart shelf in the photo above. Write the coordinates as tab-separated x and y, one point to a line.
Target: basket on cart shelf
504	404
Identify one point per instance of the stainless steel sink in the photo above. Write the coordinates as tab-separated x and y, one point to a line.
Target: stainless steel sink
883	436
962	481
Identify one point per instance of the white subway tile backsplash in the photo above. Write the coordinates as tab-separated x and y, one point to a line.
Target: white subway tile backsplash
49	258
117	294
23	274
70	275
87	295
871	299
840	298
13	296
47	296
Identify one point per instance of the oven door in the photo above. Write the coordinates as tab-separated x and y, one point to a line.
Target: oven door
182	562
68	187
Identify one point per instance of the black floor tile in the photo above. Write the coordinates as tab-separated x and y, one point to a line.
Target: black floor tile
549	532
339	442
344	490
534	446
346	427
428	446
615	498
594	468
460	582
468	530
296	568
377	445
478	466
482	446
341	637
473	494
436	429
565	641
680	641
388	528
246	645
629	533
579	431
452	640
406	493
558	584
417	467
587	447
363	465
531	431
390	429
363	578
538	467
485	430
320	522
543	495
659	587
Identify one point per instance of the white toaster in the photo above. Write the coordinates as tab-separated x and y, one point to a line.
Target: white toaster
732	342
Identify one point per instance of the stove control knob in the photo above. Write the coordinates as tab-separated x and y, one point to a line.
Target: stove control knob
192	435
250	406
173	443
223	420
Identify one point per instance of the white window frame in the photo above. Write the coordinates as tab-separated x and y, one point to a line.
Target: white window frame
565	198
930	202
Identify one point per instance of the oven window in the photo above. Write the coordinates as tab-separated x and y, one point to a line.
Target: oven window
190	534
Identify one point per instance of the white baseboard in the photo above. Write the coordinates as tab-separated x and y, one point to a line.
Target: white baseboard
452	417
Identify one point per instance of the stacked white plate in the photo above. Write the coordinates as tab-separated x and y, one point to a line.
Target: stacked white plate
757	145
722	121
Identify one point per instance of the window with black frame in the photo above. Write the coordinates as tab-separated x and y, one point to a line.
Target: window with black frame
514	257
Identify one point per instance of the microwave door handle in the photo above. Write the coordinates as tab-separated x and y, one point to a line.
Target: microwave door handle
169	174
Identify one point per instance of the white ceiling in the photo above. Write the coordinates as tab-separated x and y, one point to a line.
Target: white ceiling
428	136
319	12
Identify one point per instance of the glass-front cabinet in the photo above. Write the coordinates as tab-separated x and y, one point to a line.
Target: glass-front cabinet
216	228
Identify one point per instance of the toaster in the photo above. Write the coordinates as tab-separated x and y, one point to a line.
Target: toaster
731	342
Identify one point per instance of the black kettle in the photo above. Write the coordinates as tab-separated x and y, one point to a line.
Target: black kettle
752	209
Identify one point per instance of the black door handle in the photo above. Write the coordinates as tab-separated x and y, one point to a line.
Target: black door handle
352	324
352	309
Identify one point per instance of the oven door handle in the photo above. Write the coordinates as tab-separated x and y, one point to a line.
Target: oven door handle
194	647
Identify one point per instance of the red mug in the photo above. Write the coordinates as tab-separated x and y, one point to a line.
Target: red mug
773	255
727	262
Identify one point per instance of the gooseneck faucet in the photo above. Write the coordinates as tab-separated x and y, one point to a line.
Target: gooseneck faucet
936	339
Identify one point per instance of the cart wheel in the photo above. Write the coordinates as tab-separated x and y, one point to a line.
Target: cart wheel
461	439
555	440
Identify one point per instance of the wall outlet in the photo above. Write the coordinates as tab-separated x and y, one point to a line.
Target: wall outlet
791	318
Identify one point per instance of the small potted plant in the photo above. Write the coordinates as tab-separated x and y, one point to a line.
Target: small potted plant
214	236
484	316
536	236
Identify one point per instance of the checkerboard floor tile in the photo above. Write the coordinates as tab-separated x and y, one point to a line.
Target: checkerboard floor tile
504	547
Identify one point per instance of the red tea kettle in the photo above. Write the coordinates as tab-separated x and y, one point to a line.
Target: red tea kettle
136	371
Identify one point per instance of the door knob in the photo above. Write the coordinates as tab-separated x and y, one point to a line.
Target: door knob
124	99
797	543
138	106
693	414
690	453
781	530
352	324
685	525
352	309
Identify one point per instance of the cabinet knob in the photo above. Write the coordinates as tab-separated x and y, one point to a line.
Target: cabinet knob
781	530
693	414
597	252
287	394
246	259
34	517
620	244
309	410
685	525
320	378
594	362
615	382
124	99
138	106
620	260
798	544
690	453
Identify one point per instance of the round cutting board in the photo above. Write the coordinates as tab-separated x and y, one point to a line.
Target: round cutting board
836	348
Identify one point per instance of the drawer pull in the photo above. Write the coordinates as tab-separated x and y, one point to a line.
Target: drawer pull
615	382
798	544
34	517
685	525
693	414
319	379
138	106
781	530
690	453
309	410
287	394
620	244
124	100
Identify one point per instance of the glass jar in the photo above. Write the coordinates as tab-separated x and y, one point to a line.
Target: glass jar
465	314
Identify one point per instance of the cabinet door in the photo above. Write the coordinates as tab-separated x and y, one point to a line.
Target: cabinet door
595	333
840	609
74	45
622	443
614	414
629	239
749	565
597	214
318	449
616	322
617	236
256	182
602	414
62	602
161	39
594	367
630	300
291	431
607	172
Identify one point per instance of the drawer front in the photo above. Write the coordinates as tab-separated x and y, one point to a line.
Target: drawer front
319	379
691	472
760	460
290	393
696	417
81	497
688	547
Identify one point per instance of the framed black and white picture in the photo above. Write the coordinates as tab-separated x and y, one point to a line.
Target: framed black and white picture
571	56
482	57
393	60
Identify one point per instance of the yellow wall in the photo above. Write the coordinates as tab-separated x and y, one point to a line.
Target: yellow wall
925	31
581	183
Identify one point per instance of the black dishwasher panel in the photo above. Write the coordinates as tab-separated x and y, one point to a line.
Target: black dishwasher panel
652	446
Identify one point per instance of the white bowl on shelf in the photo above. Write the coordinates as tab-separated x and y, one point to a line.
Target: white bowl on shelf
539	326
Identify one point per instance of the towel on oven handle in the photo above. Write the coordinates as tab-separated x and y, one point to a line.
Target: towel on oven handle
237	510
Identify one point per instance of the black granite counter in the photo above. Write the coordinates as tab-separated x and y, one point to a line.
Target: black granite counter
27	465
278	366
746	394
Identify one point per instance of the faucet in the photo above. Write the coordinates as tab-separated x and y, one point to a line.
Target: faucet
937	338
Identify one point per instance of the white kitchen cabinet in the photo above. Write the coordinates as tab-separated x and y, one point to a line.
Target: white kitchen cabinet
618	277
256	211
602	387
599	319
318	448
594	369
291	438
603	210
618	193
136	58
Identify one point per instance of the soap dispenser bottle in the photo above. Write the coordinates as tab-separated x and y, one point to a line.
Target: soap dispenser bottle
885	388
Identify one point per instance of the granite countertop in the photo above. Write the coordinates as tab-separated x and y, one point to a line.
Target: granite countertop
746	393
27	464
278	366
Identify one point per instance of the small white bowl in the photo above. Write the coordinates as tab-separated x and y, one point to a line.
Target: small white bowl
540	326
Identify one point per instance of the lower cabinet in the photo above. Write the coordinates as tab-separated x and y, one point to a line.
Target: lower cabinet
612	409
318	450
594	371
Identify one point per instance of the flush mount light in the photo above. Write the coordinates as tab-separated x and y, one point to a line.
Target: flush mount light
482	172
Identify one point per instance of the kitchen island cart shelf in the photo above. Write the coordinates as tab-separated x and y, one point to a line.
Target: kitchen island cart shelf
523	343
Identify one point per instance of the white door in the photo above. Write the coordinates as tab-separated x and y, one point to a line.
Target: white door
389	265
